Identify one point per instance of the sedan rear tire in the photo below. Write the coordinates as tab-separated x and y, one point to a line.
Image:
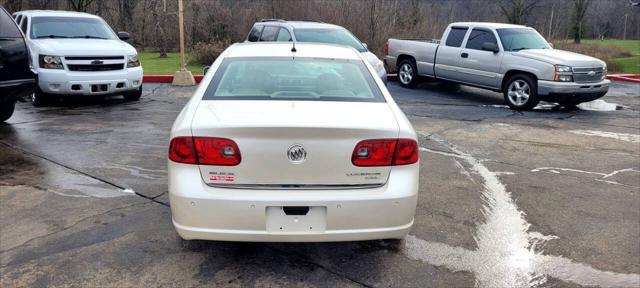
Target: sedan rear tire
408	73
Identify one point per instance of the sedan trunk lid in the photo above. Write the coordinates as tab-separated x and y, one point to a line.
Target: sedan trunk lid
266	131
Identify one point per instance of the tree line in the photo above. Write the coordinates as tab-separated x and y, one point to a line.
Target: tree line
153	23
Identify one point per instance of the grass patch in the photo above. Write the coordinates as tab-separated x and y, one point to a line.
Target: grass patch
622	56
154	65
632	46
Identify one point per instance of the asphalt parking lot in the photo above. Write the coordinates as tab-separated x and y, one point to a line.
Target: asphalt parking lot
549	197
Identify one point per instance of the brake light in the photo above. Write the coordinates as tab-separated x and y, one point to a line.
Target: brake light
181	150
377	152
385	152
217	151
406	152
204	151
386	48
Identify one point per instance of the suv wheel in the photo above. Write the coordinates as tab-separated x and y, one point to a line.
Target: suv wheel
521	93
133	96
6	110
39	98
407	73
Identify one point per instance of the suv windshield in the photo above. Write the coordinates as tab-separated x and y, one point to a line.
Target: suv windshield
70	27
279	78
516	39
332	36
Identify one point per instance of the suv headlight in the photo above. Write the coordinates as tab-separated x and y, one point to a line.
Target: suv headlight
563	73
133	61
50	62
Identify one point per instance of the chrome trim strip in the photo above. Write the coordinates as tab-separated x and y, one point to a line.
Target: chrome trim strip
295	186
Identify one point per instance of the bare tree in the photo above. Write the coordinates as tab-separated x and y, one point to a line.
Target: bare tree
517	11
580	8
79	5
161	42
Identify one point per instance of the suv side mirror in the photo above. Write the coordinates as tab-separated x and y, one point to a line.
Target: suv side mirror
124	36
550	44
490	46
205	69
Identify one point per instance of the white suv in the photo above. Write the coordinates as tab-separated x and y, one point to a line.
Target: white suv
79	54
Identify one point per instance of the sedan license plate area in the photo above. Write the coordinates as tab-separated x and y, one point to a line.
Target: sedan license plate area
293	219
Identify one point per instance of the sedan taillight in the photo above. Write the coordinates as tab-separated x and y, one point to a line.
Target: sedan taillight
385	152
204	151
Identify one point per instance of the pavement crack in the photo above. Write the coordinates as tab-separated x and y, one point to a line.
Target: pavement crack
304	258
103	180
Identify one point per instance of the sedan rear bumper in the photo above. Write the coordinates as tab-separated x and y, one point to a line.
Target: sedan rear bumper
207	213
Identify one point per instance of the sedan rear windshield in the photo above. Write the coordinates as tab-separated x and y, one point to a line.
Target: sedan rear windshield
331	36
280	78
70	27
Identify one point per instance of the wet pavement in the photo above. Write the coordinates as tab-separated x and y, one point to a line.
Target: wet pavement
549	197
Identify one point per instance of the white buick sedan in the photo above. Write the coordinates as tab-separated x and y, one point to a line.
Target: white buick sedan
292	144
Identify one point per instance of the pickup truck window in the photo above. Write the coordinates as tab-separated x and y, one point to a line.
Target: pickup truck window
479	37
456	36
70	27
516	39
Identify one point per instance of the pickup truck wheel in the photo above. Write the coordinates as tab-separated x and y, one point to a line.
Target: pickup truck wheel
39	98
133	96
521	93
6	110
407	73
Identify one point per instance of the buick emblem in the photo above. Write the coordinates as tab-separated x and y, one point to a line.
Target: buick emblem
296	154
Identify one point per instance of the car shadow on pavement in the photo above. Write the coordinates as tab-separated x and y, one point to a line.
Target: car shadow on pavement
254	258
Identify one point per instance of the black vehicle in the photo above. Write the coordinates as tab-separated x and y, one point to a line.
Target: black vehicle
16	77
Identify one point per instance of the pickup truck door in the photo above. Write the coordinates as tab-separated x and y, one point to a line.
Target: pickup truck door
478	65
448	53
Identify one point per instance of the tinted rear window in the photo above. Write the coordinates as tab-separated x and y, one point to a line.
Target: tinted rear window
8	28
456	36
280	78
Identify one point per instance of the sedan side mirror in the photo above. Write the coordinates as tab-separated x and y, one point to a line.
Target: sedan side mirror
490	46
550	44
124	36
205	70
365	45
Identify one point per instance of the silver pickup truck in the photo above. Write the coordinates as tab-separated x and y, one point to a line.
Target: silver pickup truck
512	59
